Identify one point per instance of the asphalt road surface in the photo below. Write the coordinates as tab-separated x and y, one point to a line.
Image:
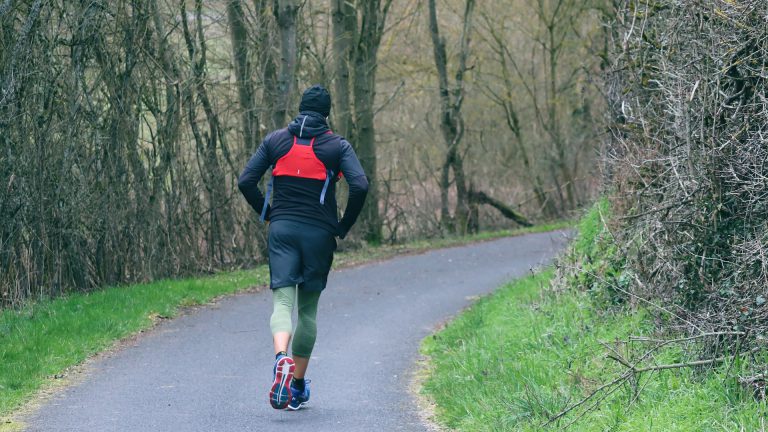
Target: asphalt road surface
211	370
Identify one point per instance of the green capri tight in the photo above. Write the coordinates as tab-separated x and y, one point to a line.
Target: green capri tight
284	300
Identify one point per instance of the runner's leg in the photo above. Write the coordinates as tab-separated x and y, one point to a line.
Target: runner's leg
285	274
283	300
306	330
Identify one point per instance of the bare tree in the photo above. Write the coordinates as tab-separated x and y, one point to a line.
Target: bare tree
358	29
465	217
451	121
505	98
556	18
209	142
285	13
344	34
546	79
244	72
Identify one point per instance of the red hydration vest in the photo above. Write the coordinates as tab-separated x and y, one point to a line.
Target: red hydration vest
300	161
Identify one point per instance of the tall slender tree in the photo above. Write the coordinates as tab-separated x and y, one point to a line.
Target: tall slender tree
344	19
358	28
285	14
451	120
244	75
452	96
212	140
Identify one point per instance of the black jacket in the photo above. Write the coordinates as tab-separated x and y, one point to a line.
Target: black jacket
296	198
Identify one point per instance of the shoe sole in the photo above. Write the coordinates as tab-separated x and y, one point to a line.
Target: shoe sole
280	393
301	405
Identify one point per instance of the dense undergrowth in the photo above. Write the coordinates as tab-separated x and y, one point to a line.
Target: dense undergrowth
542	345
686	166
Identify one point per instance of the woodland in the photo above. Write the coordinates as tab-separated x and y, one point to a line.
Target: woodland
125	124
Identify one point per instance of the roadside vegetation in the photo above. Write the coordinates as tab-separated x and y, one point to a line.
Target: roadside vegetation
40	341
685	161
547	352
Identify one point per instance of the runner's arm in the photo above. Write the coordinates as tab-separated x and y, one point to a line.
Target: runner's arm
358	187
248	183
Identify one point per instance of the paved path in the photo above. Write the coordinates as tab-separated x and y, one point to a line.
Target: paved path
211	370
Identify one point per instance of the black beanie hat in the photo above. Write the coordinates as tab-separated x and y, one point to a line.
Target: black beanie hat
317	99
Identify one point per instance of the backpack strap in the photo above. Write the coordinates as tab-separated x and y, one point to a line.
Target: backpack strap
266	197
328	177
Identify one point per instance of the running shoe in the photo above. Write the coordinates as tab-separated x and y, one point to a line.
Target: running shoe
280	393
299	399
277	360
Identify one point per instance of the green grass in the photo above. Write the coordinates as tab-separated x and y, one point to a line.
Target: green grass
516	358
592	230
45	338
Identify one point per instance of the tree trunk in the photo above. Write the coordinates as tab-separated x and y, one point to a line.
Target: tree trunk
265	52
366	150
209	141
359	46
480	197
365	136
462	195
446	221
243	73
451	121
344	34
285	14
168	120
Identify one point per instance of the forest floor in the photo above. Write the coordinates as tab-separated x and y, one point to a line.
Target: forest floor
44	342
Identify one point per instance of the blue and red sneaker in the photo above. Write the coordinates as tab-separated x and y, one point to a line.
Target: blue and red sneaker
280	393
299	398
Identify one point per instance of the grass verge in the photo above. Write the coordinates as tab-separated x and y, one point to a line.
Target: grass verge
41	341
38	343
518	357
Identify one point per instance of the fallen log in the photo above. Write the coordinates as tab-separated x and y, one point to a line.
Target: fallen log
480	197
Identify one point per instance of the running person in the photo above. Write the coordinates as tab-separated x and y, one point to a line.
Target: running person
306	159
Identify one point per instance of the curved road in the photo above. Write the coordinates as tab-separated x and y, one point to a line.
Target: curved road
211	370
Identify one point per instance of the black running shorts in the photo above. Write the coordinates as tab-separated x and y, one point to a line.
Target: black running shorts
299	254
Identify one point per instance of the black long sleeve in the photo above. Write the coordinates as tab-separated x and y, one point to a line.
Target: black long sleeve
358	187
298	198
248	183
